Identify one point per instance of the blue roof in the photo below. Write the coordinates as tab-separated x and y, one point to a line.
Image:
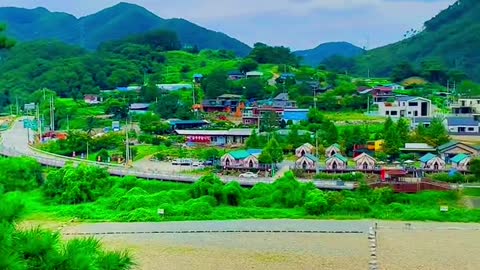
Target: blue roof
406	98
187	122
287	75
254	151
462	121
198	76
295	115
311	157
427	158
459	158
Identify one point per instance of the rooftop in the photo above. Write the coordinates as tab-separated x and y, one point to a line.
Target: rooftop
311	157
174	86
282	96
419	147
462	121
459	158
139	106
427	157
206	132
340	157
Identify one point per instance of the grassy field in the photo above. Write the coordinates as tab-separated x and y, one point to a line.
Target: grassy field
352	116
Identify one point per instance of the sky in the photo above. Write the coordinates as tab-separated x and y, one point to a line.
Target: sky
298	24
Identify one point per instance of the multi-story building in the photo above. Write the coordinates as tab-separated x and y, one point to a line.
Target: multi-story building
406	106
466	106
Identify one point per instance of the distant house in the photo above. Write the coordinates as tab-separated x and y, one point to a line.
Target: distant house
461	162
432	162
224	103
236	75
174	87
241	159
295	115
139	108
283	101
332	150
129	89
466	106
379	94
451	149
395	86
413	148
92	99
365	162
286	132
336	162
304	150
406	106
286	76
307	162
188	124
463	126
254	74
197	78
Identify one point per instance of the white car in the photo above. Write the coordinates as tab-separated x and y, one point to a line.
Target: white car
249	175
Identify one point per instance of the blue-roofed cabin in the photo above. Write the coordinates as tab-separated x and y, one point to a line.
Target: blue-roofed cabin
307	162
197	78
432	162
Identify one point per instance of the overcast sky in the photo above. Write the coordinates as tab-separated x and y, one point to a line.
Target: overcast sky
299	24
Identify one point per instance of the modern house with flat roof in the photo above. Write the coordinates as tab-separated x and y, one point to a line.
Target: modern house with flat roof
216	137
466	106
463	126
406	106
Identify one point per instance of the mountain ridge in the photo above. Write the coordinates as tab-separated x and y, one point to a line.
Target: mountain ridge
315	56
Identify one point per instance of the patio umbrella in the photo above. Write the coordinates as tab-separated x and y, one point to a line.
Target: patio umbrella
409	161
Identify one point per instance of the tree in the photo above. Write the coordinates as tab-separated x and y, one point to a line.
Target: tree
403	129
269	121
247	65
331	133
215	84
437	134
152	124
254	88
275	151
149	92
475	167
5	42
116	107
402	71
253	141
387	125
392	143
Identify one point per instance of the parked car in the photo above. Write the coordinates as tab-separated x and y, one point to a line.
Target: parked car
249	175
182	162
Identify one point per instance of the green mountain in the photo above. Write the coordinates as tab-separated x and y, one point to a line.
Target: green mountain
116	22
451	40
315	56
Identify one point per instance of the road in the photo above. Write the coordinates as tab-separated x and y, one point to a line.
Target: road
15	143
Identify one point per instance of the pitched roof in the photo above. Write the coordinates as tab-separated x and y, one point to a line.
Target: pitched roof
459	158
335	145
282	96
340	157
447	145
254	152
240	154
362	155
462	121
139	106
427	157
311	157
406	98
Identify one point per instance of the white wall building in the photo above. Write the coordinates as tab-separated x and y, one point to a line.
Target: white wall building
406	106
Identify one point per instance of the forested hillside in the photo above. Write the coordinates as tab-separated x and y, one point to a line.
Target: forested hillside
451	40
315	56
123	20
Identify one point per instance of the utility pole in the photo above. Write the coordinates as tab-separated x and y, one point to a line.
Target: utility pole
127	145
368	104
68	123
17	106
87	150
316	151
39	124
52	114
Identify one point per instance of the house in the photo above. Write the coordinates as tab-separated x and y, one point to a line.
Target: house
286	76
235	75
295	115
461	162
304	149
463	126
395	86
197	78
174	87
283	101
406	106
307	162
139	108
286	132
241	159
129	89
332	150
216	137
92	99
432	162
451	149
224	103
254	74
187	124
379	94
466	106
336	162
365	162
370	148
252	115
413	148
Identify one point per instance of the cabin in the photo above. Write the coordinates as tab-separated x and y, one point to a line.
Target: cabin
365	162
336	162
451	149
461	162
332	150
307	162
432	162
304	150
241	159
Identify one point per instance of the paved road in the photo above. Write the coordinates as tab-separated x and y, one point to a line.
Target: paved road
15	143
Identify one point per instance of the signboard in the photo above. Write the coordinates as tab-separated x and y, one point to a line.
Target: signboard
444	208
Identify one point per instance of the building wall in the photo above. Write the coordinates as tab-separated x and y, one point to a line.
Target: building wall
405	108
464	129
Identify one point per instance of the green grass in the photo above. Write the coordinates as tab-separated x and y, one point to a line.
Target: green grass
473	192
351	116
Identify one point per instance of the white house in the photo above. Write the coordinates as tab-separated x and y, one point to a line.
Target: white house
406	106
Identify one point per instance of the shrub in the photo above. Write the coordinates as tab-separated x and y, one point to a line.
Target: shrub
208	185
350	205
288	192
232	194
316	203
20	174
448	178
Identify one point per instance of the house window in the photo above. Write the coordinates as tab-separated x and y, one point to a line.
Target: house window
471	129
387	112
394	113
409	112
415	113
413	104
